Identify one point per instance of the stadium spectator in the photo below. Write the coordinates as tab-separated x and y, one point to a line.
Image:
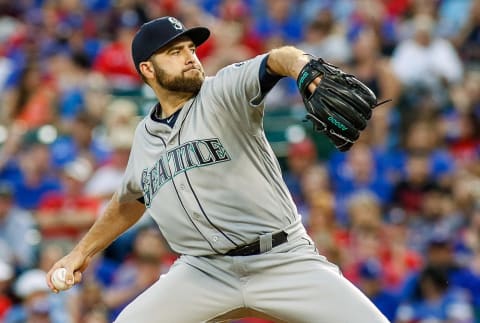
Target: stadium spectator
79	140
91	305
435	300
329	238
324	39
364	210
409	191
143	267
440	256
31	171
69	72
399	260
460	122
113	60
371	283
279	23
465	191
64	216
357	171
341	9
105	179
422	136
96	96
469	248
315	178
372	15
228	47
240	12
19	236
37	304
313	181
234	37
32	102
374	68
425	64
365	238
300	157
437	213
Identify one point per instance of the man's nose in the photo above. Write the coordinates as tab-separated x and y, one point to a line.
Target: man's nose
190	57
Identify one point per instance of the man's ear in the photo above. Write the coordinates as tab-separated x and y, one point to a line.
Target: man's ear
146	68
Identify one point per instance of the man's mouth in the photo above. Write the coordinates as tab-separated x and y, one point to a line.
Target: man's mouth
190	68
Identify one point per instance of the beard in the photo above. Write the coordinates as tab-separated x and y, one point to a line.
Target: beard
181	83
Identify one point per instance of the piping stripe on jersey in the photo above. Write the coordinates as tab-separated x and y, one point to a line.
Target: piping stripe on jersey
191	186
178	196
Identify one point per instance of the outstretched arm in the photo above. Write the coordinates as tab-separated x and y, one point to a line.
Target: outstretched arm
116	219
287	61
338	104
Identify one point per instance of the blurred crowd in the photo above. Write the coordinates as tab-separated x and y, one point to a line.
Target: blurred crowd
399	213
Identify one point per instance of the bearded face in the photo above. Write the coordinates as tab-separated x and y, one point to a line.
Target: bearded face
189	81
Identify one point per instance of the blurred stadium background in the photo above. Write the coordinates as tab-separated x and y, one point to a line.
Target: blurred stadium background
399	213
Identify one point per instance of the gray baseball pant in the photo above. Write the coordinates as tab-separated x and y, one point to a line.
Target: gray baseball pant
290	283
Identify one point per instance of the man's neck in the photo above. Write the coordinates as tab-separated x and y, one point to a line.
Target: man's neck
170	102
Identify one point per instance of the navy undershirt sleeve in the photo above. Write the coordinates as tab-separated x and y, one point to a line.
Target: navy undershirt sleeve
267	80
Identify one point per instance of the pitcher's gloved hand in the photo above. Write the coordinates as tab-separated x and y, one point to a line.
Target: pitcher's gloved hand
340	106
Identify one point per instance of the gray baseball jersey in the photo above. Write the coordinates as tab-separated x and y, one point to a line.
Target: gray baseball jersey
211	182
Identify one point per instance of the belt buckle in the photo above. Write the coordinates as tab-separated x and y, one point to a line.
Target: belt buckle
253	248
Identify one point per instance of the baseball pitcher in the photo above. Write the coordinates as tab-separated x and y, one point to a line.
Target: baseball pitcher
201	166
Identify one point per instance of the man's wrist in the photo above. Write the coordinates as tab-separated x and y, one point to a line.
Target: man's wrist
298	65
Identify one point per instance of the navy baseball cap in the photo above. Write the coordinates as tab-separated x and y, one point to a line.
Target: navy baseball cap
157	33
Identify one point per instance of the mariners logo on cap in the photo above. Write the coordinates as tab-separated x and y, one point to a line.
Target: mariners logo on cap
175	23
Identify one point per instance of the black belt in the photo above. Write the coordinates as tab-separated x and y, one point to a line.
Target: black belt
254	247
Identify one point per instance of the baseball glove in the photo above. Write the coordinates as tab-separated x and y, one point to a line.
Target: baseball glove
340	106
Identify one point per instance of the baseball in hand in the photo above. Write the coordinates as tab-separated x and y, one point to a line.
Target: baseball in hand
59	279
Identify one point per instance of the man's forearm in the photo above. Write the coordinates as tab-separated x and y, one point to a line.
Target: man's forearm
116	219
287	61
